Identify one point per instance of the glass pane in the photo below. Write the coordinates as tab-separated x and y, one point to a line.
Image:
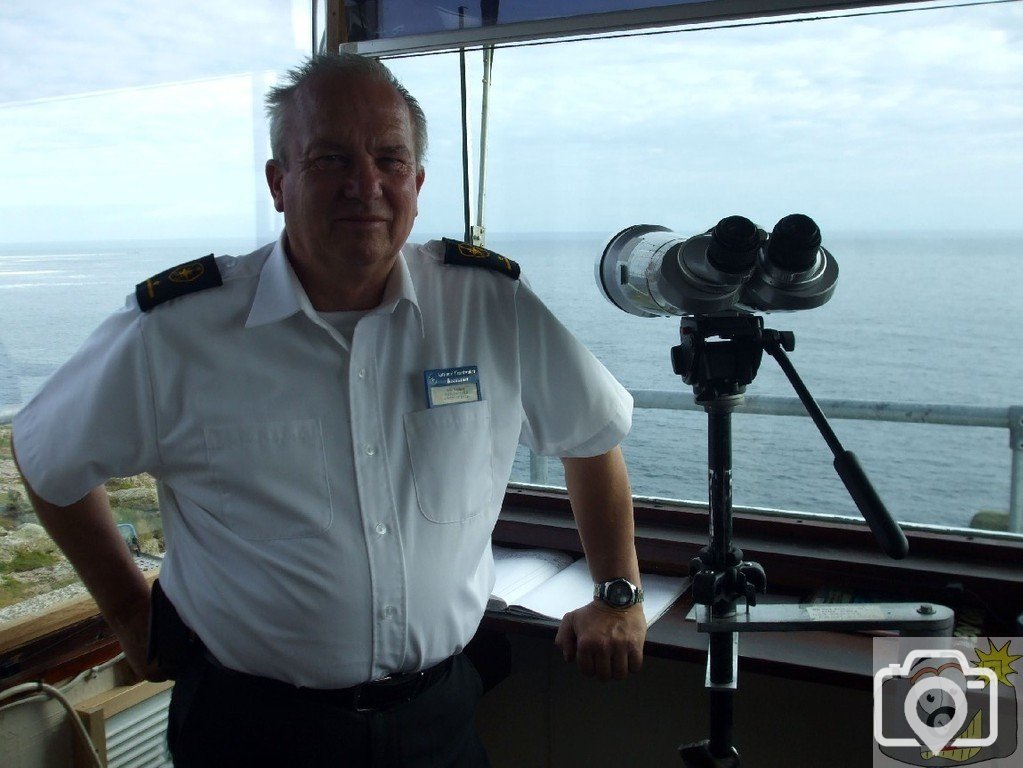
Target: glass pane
117	173
434	81
133	139
899	134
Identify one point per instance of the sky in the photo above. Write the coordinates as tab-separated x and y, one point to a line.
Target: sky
144	120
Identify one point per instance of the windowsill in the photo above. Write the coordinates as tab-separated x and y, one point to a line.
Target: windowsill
826	657
797	556
56	644
794	552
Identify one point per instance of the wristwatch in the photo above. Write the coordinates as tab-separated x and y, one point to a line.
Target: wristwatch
618	593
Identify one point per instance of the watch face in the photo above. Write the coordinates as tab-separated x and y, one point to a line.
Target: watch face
619	593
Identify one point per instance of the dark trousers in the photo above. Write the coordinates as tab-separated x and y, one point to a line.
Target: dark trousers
222	719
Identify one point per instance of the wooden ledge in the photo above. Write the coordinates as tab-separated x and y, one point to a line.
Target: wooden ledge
57	643
971	574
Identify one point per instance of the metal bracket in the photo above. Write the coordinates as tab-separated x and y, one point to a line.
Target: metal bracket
918	619
732	684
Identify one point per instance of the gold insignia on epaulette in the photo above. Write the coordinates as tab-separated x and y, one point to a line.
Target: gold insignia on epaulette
178	281
186	273
456	252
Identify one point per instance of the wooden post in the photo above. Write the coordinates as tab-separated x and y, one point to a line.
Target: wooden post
336	26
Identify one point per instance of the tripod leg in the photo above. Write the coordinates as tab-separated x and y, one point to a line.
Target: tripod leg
718	751
719	460
722	652
699	756
720	744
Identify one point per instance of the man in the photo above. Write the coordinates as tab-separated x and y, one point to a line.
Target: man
332	421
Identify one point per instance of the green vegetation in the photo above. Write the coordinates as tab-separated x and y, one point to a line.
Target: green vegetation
990	520
28	561
14	505
14	591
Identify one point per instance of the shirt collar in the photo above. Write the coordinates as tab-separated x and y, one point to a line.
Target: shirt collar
280	294
399	288
275	297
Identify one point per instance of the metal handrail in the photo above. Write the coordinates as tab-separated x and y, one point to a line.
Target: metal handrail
1010	418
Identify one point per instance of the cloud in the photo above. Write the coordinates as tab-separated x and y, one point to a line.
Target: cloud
138	154
871	119
868	122
64	47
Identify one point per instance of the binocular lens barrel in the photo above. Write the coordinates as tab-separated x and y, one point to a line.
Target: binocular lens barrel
650	271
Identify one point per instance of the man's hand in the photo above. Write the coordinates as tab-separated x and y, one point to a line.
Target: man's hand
133	633
606	642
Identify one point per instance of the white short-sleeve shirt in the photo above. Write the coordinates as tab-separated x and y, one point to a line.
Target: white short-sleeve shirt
324	526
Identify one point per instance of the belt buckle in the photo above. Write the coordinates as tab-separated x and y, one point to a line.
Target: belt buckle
357	704
411	685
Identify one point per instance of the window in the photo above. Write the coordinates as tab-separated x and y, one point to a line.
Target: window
899	133
137	141
134	140
128	153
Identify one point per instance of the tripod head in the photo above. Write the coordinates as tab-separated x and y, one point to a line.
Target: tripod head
722	369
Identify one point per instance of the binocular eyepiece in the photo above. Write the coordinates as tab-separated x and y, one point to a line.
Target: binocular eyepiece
650	271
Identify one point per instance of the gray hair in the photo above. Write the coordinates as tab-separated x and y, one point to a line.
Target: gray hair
281	98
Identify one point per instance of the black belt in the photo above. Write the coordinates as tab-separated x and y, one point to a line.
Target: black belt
374	696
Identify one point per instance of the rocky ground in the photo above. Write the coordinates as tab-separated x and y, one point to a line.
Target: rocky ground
33	572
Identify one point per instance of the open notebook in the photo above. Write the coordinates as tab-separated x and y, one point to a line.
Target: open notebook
549	584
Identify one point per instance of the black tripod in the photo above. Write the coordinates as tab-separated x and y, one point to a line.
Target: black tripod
719	356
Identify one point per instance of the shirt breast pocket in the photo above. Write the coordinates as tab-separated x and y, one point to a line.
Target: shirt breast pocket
451	452
271	478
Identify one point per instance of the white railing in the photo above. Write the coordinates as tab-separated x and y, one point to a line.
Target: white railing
1010	418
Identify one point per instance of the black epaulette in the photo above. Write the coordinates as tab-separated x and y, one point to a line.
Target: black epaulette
456	252
178	281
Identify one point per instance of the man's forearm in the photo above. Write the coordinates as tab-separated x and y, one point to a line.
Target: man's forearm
87	534
606	642
601	497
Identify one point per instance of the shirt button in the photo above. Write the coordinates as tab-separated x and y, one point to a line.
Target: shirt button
390	612
362	373
381	529
371	450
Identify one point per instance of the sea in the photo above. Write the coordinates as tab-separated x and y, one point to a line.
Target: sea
916	318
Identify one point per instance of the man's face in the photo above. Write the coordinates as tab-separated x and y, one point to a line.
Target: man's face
350	186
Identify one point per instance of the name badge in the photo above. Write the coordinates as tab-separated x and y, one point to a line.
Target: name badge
450	386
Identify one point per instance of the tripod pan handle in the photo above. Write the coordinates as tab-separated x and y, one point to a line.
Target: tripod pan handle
885	529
